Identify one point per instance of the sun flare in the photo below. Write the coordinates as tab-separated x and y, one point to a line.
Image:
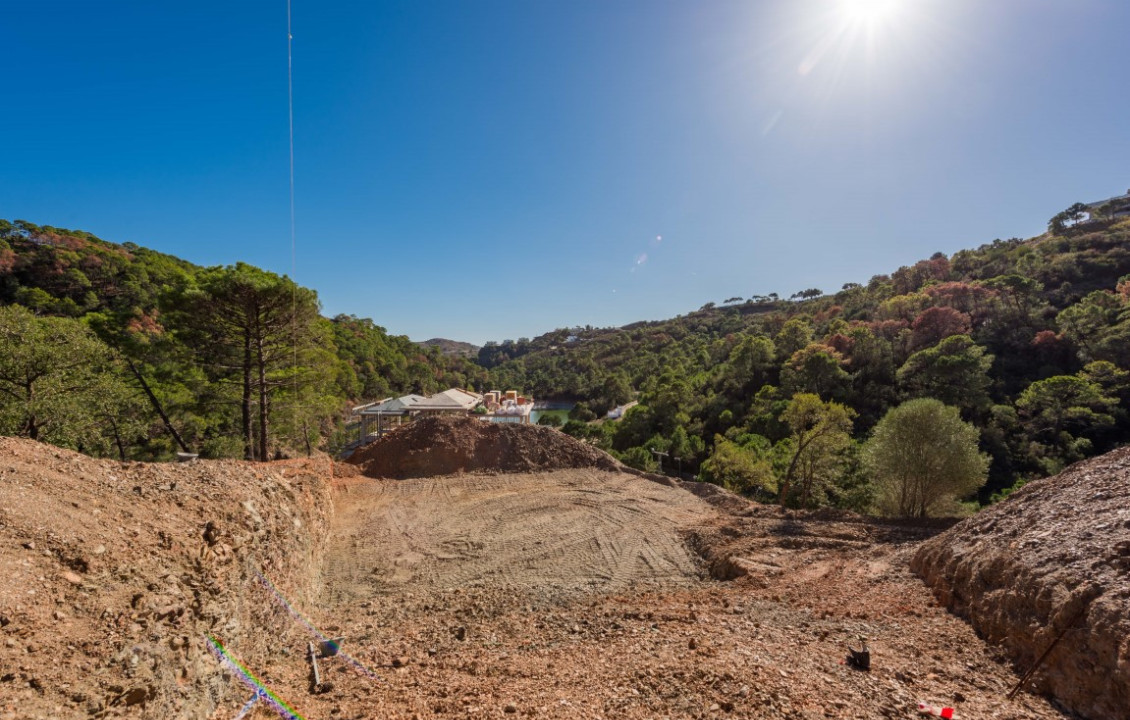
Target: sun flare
868	12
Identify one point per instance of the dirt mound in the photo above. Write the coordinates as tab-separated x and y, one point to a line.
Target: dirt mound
115	573
1054	558
449	445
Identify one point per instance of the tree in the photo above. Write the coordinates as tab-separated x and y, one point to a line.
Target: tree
1100	325
740	467
817	369
820	431
1058	411
935	324
57	381
795	335
923	457
550	421
254	325
1063	221
748	367
955	371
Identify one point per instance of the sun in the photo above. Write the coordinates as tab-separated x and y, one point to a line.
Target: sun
868	12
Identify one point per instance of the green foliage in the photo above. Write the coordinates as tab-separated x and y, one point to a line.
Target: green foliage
1059	413
816	369
975	330
1069	219
742	468
640	458
58	384
955	371
550	420
923	458
819	434
177	358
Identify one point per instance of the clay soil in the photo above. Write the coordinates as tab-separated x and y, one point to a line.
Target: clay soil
568	593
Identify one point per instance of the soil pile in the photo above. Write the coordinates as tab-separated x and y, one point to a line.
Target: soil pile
1054	558
450	445
116	573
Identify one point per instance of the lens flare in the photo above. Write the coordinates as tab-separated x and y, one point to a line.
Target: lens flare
868	12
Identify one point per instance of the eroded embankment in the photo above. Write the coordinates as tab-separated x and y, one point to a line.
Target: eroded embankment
1053	560
114	578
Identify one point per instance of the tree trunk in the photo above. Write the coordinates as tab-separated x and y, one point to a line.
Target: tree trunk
117	438
245	405
156	405
263	409
31	427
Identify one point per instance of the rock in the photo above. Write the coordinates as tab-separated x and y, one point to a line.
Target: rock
72	578
135	696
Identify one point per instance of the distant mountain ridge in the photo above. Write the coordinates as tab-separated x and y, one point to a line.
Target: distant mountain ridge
452	348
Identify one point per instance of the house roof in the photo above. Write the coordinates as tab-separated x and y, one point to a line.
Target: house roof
396	406
453	399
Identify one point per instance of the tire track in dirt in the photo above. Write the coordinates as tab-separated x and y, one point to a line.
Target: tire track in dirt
554	532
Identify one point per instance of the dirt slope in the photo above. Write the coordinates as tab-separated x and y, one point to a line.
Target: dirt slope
110	587
448	445
1054	557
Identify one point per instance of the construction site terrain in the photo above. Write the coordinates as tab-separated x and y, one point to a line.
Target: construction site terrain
566	588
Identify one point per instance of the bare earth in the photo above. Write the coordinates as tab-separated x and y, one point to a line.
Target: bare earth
570	595
548	533
577	593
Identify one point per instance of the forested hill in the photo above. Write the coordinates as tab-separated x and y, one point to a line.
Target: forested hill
120	350
1030	339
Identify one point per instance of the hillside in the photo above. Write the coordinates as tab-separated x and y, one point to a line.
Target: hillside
454	348
163	348
1030	339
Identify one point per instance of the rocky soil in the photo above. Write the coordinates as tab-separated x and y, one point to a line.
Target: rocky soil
447	445
1053	560
563	592
115	573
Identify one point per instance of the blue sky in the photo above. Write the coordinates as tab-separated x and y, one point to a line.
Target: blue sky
490	169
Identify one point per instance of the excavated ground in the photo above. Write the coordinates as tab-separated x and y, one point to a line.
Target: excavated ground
568	593
1050	568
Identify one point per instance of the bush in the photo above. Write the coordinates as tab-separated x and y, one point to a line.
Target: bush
924	458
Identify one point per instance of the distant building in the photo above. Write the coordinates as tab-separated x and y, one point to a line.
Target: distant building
449	402
508	406
618	412
1115	207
